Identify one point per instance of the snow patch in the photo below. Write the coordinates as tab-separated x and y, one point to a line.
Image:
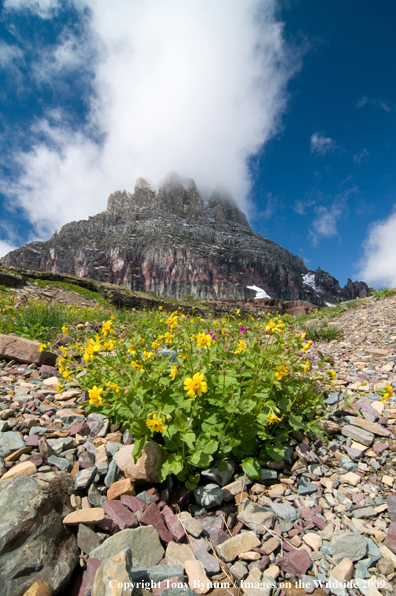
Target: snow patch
259	292
309	280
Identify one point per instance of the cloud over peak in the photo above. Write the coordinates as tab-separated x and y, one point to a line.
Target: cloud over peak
193	87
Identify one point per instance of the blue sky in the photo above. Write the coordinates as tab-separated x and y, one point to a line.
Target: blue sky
291	104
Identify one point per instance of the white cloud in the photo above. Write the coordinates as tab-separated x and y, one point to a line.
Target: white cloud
321	144
379	103
379	261
360	156
325	224
9	54
44	8
6	247
195	87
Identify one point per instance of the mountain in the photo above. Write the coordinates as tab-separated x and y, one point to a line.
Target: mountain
173	244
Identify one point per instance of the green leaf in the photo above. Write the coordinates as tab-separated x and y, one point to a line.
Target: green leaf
251	466
207	445
200	459
191	485
283	403
138	448
180	421
275	452
189	438
172	464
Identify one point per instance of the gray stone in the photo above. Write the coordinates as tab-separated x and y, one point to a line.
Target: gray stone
364	512
372	552
332	399
268	477
34	543
219	475
157	573
59	445
209	562
348	465
117	568
144	543
358	434
239	570
347	545
112	473
60	462
37	430
10	442
309	583
87	539
94	497
255	517
234	488
112	448
84	478
145	497
362	571
285	511
208	496
171	354
231	548
305	487
185	591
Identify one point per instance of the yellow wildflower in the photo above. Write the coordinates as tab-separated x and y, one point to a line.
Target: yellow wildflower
95	397
132	351
107	328
272	418
65	330
160	307
271	326
155	424
388	393
332	374
137	366
43	347
241	346
172	321
195	386
148	355
282	371
155	345
113	386
306	367
173	373
306	346
204	340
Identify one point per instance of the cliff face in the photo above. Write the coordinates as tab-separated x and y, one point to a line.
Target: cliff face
173	243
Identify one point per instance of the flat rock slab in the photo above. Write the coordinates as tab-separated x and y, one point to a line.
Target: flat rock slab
370	427
92	515
358	434
346	545
19	349
144	543
25	468
230	549
256	518
146	468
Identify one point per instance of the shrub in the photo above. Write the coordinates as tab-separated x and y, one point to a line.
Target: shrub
203	389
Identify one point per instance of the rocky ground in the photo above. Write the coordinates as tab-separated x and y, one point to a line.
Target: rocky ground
80	518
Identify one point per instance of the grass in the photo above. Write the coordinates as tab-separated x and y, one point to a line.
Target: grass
324	332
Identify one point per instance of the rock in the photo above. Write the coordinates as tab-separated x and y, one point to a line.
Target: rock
133	503
358	434
25	468
391	502
152	517
370	427
270	545
173	524
347	545
112	473
313	540
219	475
83	479
157	573
305	487
60	462
10	442
112	572
209	562
297	562
379	351
208	496
19	349
231	548
351	478
122	516
192	525
144	543
239	570
285	512
178	554
34	544
92	515
120	488
197	578
255	517
235	488
39	588
385	566
94	497
146	468
87	539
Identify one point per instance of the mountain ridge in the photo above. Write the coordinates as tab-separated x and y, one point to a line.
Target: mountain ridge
173	243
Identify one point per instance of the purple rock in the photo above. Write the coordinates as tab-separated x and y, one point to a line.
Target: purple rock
152	517
133	503
297	563
80	428
32	440
369	413
378	447
173	524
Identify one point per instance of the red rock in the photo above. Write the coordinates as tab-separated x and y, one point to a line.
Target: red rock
80	428
32	440
85	464
92	567
122	516
297	563
37	459
319	522
293	532
390	542
391	502
50	370
173	524
260	564
154	494
107	525
318	509
238	527
357	497
306	513
152	517
133	503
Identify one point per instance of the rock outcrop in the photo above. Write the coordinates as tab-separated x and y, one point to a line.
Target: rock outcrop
174	244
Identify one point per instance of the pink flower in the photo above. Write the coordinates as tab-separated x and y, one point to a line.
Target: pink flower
212	334
243	329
